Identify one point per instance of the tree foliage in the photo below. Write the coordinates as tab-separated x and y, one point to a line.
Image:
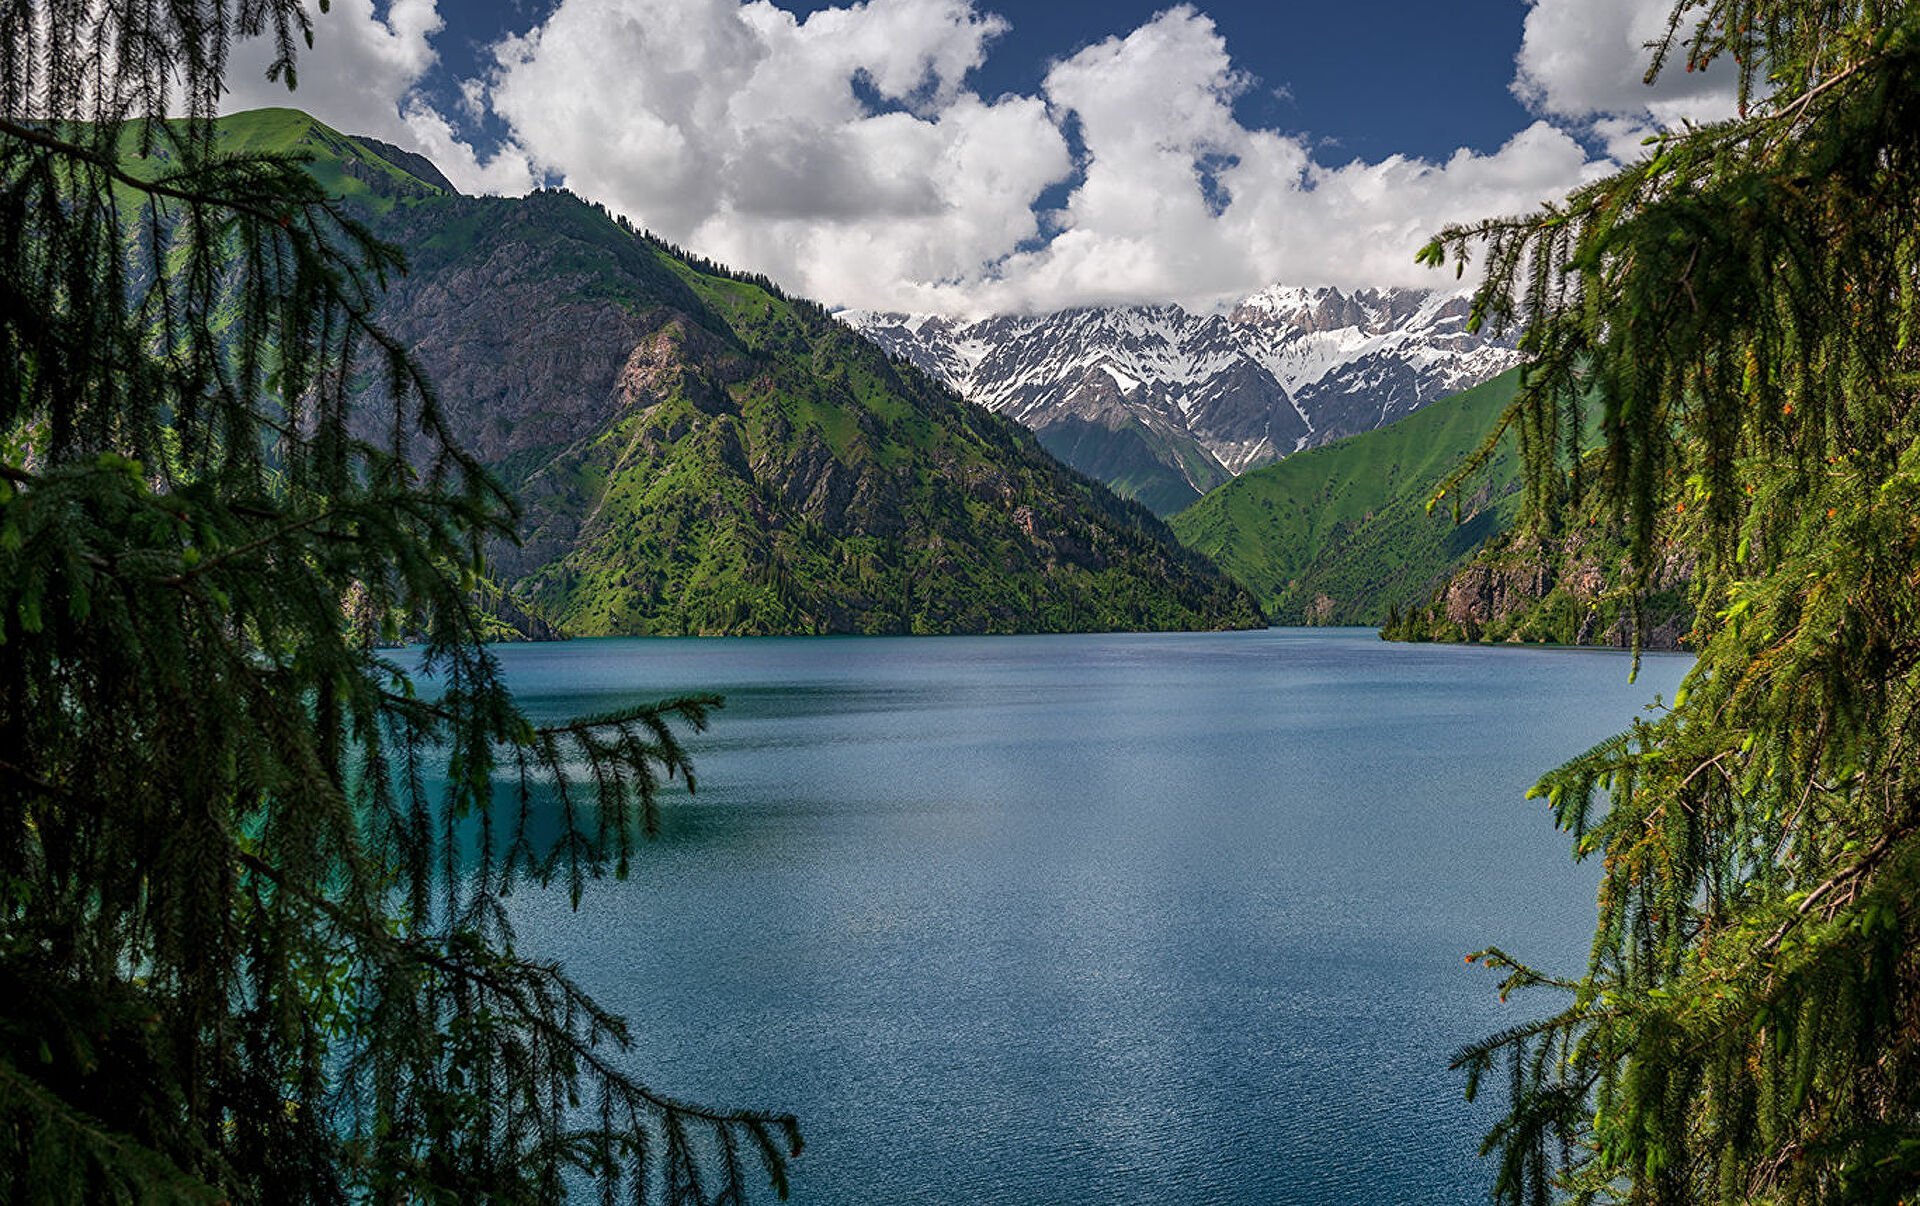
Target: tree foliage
252	943
1740	304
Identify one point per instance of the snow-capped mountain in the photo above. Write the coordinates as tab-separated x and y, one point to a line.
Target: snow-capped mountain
1164	405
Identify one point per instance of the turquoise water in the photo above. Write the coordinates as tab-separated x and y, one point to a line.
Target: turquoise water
1091	919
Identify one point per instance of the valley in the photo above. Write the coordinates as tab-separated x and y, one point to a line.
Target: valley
696	452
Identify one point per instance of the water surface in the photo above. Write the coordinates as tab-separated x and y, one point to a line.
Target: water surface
1091	919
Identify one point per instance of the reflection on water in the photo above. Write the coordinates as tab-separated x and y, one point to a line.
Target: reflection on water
1147	919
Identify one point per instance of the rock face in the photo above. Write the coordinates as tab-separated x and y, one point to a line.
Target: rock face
1192	400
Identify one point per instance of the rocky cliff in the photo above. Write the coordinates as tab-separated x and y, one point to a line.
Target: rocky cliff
1567	588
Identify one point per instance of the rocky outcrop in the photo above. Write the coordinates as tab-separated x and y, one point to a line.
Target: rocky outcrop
1572	589
416	165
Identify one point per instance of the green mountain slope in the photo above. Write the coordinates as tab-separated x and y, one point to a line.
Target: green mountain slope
1158	469
371	173
1337	534
697	453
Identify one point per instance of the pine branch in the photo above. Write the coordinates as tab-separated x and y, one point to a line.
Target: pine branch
112	1164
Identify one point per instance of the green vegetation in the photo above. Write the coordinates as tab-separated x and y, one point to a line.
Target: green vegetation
1340	533
797	482
1570	586
250	948
1740	308
1137	462
350	169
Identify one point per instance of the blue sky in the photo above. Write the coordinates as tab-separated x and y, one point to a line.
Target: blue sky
967	156
1363	79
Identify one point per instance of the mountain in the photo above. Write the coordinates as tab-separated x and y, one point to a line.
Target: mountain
1341	533
696	452
1164	405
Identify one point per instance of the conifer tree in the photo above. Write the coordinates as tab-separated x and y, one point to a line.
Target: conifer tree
1741	305
251	937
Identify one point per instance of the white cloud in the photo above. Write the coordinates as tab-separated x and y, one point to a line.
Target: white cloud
1178	200
1587	60
848	156
743	132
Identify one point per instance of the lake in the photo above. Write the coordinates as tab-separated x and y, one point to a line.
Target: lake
1078	919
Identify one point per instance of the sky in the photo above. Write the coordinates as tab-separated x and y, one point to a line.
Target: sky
973	157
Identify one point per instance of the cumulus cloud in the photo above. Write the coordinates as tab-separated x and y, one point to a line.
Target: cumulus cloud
843	153
1585	62
1178	200
848	155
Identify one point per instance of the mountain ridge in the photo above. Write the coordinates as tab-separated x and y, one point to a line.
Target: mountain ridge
1189	401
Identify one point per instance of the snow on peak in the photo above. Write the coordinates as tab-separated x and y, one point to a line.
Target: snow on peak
1287	368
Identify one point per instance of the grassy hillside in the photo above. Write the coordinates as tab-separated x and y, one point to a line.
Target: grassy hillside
372	174
1338	533
698	453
